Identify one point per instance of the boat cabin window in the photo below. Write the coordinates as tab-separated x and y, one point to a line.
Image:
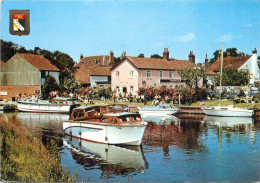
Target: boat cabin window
75	114
124	118
113	120
81	114
137	118
55	102
105	120
63	102
88	109
104	109
78	114
118	107
127	118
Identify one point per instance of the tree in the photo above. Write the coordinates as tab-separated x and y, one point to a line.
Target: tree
8	49
233	78
232	52
70	84
191	76
141	55
156	56
64	60
50	84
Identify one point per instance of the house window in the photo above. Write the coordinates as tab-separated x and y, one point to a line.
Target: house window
161	73
82	62
149	74
89	62
117	74
131	74
170	74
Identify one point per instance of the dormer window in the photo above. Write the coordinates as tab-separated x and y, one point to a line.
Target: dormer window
89	62
82	62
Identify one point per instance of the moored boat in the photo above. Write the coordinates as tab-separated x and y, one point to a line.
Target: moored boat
112	128
56	105
159	110
228	111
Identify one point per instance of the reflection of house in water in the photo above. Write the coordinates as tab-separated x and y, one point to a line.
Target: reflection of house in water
112	160
184	135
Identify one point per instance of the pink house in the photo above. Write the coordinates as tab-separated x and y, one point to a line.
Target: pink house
132	73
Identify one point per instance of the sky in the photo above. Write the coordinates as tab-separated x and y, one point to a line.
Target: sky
92	27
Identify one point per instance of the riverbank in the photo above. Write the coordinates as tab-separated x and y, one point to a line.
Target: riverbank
25	159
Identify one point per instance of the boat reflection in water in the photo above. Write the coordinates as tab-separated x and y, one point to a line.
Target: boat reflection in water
112	159
161	120
228	121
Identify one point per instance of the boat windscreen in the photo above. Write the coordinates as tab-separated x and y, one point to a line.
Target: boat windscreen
136	117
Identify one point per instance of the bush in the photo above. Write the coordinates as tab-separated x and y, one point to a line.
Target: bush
104	91
49	85
241	94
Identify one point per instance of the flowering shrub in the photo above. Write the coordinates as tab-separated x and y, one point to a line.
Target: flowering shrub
186	95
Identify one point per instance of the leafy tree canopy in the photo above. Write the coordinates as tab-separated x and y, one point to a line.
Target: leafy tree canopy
191	75
156	56
141	55
59	59
49	85
233	78
232	52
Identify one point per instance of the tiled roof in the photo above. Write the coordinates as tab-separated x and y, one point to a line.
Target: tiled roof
181	64
38	61
1	63
93	60
158	64
229	62
85	71
150	63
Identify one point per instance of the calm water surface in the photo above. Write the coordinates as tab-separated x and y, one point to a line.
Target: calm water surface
187	148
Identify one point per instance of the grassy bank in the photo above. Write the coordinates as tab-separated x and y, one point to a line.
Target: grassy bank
25	159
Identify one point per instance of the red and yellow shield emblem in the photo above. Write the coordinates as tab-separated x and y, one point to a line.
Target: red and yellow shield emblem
19	22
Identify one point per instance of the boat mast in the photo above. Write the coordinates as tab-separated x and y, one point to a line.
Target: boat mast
221	67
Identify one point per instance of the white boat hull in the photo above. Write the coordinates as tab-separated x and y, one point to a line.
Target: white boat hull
105	134
227	112
43	108
158	112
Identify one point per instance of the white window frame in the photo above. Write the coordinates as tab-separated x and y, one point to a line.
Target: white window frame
117	74
170	74
131	74
149	74
161	73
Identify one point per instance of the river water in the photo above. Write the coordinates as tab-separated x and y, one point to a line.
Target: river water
185	148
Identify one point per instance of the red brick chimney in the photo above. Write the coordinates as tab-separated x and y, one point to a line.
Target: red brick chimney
192	57
206	61
81	57
166	54
111	58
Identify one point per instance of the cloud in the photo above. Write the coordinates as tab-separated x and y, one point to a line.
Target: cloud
248	25
225	38
185	38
